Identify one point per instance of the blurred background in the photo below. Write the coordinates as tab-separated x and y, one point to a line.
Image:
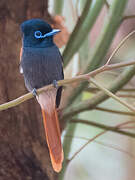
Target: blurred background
90	32
111	156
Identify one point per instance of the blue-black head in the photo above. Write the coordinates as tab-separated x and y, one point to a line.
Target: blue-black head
37	33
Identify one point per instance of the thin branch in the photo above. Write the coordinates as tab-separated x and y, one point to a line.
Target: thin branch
112	95
122	125
80	149
95	89
119	45
105	127
84	77
114	111
132	16
111	67
128	127
115	148
92	139
104	144
128	90
91	103
45	88
126	95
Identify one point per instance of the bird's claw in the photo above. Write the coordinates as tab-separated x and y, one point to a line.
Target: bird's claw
55	84
34	92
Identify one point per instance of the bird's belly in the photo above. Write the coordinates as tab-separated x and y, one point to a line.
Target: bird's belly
37	74
41	67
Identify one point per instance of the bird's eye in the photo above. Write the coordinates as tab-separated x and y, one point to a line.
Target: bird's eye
38	34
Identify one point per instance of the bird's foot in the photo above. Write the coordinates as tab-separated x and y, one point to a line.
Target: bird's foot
55	84
34	92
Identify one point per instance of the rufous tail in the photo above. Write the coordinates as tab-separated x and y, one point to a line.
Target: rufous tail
52	129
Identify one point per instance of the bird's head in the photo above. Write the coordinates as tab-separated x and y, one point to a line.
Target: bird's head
37	33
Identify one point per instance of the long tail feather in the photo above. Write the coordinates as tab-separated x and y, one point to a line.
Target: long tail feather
52	130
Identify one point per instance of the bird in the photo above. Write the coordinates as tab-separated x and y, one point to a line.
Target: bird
41	64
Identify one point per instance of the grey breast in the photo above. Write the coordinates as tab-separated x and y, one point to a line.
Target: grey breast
41	66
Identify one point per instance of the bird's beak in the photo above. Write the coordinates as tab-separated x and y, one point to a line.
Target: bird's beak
53	32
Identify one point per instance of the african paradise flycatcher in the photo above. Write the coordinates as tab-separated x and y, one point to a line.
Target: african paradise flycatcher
41	64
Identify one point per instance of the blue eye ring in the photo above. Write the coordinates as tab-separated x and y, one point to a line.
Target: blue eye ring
38	34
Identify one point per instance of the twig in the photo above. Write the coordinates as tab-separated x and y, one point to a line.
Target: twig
111	67
45	88
122	125
94	89
92	139
84	77
128	17
128	127
115	111
91	103
116	148
112	95
105	127
80	149
126	95
119	45
128	90
103	144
